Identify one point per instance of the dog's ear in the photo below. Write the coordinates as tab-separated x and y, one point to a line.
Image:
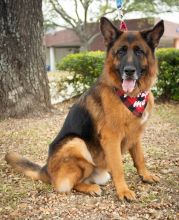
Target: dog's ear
152	36
109	31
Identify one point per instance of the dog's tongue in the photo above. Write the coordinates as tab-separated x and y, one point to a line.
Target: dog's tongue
128	85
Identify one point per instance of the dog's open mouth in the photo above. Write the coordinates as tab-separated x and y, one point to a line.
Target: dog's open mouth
128	85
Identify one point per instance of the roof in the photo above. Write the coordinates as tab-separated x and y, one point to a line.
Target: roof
62	38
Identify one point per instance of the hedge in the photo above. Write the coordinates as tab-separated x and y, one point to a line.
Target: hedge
87	66
167	86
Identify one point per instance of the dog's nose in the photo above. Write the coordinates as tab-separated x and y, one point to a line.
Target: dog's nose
129	70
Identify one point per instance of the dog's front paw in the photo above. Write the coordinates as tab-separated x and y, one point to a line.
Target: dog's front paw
127	194
149	178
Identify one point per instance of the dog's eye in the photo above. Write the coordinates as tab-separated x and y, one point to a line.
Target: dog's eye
138	51
122	51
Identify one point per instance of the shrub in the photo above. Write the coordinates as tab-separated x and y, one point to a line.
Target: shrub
167	86
87	66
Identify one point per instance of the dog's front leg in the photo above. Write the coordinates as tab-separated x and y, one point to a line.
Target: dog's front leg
139	162
111	146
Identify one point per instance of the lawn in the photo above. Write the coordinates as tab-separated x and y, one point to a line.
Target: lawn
22	198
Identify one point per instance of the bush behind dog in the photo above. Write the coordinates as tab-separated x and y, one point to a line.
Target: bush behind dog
167	86
85	68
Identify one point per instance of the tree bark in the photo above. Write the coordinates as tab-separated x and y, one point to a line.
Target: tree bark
23	80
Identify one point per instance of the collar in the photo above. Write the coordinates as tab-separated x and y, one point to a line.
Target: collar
136	104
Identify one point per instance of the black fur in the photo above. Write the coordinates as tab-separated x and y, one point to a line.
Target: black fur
28	165
131	38
78	123
135	63
111	43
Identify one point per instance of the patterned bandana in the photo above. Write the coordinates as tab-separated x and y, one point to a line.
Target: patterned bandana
137	104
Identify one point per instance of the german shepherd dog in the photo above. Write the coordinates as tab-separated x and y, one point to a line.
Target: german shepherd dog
104	122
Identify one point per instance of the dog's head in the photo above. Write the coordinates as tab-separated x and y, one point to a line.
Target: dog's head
130	60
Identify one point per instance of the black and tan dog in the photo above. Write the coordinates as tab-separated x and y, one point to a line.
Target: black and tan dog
106	121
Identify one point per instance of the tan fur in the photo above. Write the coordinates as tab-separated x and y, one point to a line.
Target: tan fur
33	175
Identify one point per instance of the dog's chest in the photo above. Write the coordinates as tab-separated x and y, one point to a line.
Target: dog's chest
133	131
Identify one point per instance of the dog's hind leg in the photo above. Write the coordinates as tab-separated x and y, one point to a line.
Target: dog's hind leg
66	177
70	175
70	165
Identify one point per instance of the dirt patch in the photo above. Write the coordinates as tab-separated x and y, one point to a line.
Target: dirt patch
22	198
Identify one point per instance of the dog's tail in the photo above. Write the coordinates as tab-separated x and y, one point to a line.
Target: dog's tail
27	167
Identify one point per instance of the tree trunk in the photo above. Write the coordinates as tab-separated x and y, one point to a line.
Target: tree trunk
23	80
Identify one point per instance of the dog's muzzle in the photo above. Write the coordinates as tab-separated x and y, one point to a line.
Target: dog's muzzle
129	78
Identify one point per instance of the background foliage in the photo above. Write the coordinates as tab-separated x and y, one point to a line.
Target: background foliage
85	68
167	86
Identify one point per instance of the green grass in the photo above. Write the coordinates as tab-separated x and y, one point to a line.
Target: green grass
151	197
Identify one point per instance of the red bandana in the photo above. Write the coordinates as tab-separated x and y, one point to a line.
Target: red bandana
137	104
